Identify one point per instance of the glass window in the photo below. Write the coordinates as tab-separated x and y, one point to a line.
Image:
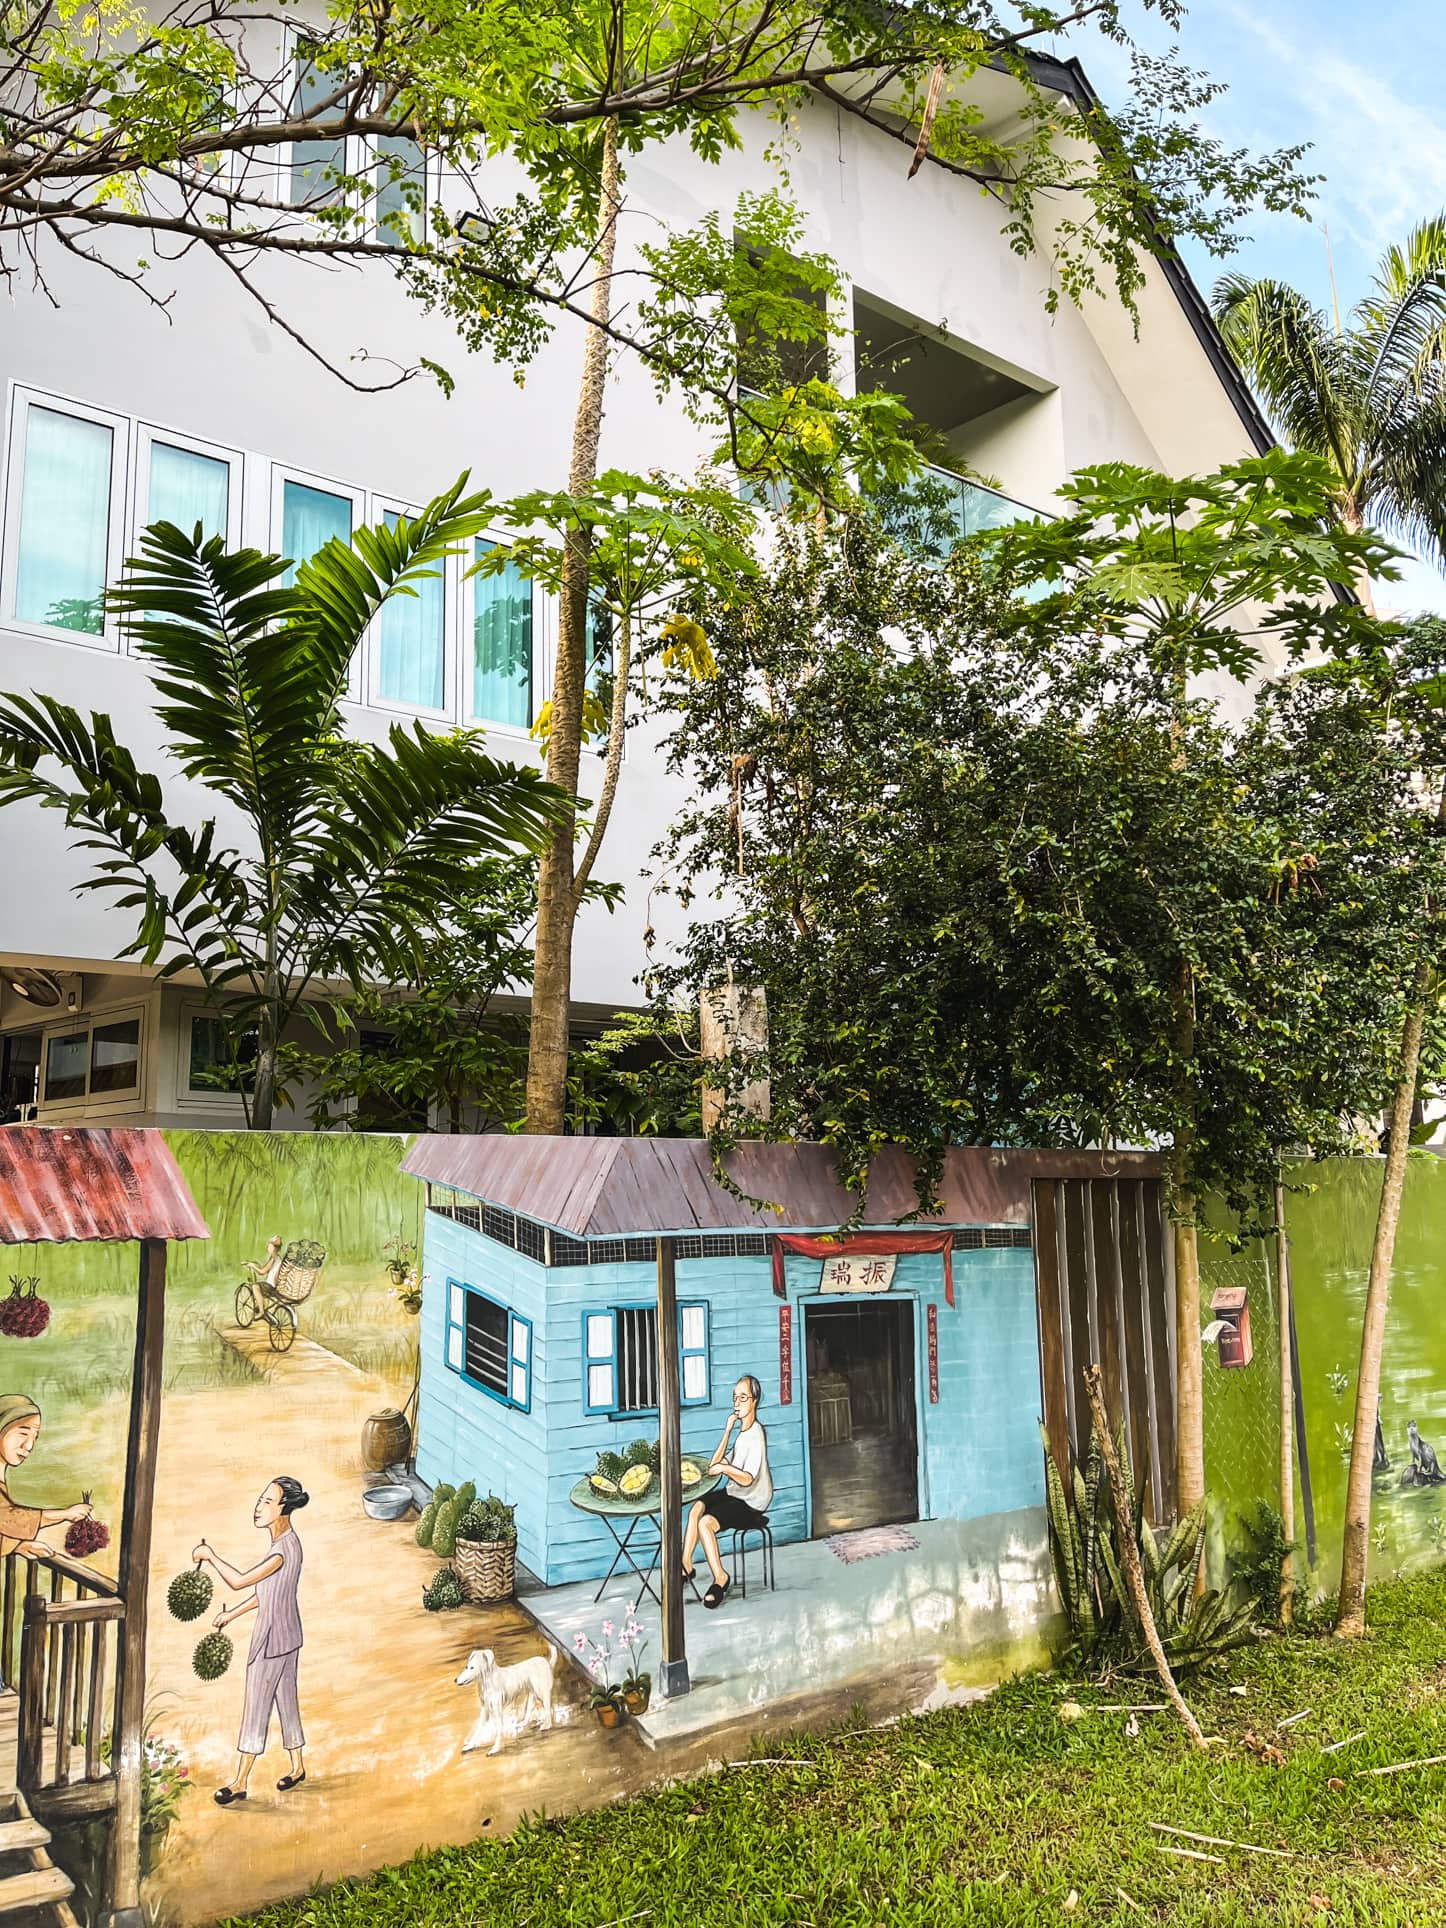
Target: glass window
187	488
64	521
502	646
310	518
315	164
401	190
413	643
212	1066
115	1056
66	1059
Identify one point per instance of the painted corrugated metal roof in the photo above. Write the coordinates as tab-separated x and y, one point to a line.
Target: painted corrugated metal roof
611	1187
59	1183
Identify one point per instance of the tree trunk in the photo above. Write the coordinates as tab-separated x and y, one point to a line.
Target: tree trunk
268	1043
1355	1542
1365	595
557	896
1287	1409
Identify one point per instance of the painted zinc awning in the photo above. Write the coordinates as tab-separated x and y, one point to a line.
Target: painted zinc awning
59	1184
616	1187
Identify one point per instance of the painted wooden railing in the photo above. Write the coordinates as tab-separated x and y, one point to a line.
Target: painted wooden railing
69	1618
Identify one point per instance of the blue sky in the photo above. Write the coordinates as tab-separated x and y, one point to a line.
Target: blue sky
1362	84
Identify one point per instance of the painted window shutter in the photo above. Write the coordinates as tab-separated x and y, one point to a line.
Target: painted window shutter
599	1361
456	1325
693	1365
520	1362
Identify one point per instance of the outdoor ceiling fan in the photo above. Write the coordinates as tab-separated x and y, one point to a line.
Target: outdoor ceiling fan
40	988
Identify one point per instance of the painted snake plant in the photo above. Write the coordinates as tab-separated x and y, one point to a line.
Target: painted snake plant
1085	1556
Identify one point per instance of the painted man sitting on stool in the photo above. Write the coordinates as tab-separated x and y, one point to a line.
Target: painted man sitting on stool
743	1498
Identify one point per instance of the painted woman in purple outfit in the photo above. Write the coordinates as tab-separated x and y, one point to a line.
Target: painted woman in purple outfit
275	1640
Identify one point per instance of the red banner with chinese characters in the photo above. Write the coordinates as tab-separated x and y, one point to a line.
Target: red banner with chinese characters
895	1243
785	1355
933	1311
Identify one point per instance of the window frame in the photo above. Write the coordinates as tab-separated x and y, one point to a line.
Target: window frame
540	662
147	433
518	1327
381	507
360	156
186	1093
281	474
131	1098
22	399
612	1410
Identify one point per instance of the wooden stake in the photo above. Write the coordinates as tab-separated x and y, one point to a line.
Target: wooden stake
1130	1557
1287	1409
673	1679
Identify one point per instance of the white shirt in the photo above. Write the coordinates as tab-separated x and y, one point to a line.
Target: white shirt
749	1453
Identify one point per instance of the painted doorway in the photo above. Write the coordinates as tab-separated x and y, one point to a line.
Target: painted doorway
863	1443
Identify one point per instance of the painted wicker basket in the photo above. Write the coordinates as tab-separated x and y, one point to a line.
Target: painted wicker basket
487	1569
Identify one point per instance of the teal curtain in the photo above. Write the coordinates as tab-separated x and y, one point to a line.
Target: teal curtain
396	215
502	646
64	521
309	518
413	644
187	488
314	164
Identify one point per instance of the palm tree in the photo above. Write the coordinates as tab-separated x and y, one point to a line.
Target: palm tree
351	850
1371	397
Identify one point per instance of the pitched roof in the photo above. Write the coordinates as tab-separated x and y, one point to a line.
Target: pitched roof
614	1187
59	1184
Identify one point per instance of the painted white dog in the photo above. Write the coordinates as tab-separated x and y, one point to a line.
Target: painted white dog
505	1690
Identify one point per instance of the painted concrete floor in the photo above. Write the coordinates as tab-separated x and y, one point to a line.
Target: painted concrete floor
970	1599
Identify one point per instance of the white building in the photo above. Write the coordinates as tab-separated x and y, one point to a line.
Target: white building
116	414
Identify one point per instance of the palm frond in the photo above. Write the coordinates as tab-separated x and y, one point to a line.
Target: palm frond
1304	374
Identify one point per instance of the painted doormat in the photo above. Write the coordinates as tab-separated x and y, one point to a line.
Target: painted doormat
871	1542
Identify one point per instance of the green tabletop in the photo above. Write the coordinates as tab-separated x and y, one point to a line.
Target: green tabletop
616	1506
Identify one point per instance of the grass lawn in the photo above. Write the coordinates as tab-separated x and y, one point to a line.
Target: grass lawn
1005	1813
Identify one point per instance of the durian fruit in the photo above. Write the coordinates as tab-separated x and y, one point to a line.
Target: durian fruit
213	1655
612	1466
635	1482
640	1453
428	1521
600	1483
445	1591
444	1528
655	1455
691	1471
189	1594
442	1491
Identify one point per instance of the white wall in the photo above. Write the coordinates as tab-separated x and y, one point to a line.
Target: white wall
213	367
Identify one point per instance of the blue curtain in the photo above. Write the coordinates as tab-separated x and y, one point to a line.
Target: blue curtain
64	522
412	644
396	217
187	488
502	647
309	518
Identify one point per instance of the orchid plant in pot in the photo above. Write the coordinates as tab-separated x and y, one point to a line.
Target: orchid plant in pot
637	1689
613	1701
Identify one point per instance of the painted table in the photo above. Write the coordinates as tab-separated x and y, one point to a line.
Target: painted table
623	1518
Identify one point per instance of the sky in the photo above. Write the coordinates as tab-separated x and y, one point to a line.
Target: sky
1361	84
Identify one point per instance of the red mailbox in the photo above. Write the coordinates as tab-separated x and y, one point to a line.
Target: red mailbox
1229	1303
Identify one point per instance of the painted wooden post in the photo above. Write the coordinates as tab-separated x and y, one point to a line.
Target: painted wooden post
673	1674
123	1860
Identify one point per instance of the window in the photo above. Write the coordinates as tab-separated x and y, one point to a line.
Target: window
501	646
315	165
186	486
412	643
93	1060
489	1345
401	193
72	469
310	517
620	1358
219	1062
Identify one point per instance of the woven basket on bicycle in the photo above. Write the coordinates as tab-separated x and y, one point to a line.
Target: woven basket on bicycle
297	1274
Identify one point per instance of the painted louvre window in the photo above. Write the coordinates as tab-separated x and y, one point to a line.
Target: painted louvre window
489	1345
620	1358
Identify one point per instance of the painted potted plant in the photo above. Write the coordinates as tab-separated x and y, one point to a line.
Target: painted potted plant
399	1256
607	1695
637	1689
485	1550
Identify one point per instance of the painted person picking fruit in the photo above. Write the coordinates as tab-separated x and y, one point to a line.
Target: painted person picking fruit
21	1526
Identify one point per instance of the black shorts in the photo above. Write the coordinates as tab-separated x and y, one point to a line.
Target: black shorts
729	1511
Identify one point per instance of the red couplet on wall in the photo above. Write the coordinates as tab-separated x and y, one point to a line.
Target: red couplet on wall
785	1355
933	1355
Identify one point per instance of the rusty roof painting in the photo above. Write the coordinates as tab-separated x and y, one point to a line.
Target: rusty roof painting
59	1184
610	1187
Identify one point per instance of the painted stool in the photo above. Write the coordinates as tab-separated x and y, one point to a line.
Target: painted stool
740	1554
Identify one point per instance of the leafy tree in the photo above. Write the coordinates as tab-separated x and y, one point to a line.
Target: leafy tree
1004	881
351	850
1369	399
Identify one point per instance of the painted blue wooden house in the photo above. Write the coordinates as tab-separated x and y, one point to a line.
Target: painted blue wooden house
903	1376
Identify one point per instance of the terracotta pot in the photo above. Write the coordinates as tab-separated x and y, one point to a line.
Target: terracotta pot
609	1715
386	1440
636	1701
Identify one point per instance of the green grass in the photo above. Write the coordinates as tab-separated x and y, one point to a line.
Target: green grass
1001	1812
